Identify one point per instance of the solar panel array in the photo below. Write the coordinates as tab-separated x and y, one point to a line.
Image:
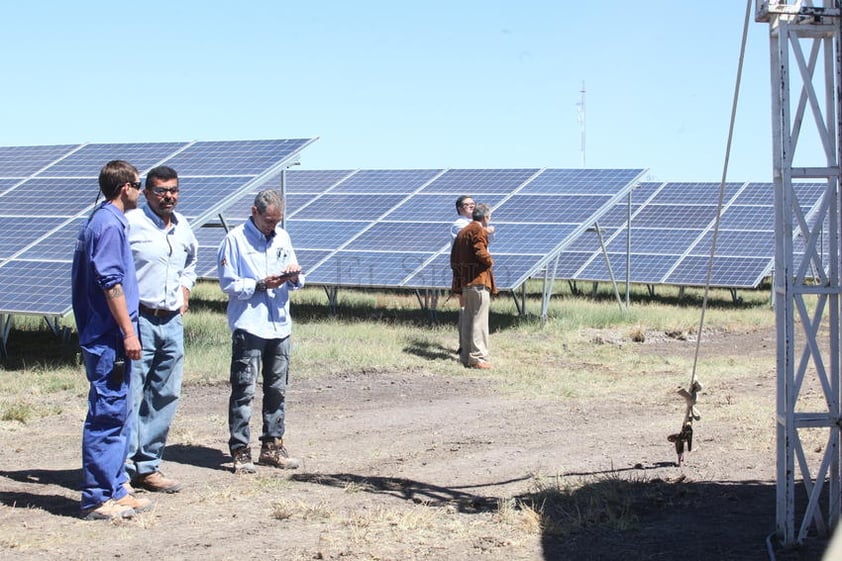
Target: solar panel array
390	228
672	228
47	192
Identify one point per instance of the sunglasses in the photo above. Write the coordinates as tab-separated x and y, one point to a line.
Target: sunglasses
161	191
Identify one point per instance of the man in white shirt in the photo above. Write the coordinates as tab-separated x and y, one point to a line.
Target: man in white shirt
464	208
164	249
257	268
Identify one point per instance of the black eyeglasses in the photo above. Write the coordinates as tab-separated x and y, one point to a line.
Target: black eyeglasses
161	191
135	184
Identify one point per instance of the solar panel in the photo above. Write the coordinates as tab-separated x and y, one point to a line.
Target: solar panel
654	240
40	287
315	181
727	271
734	243
414	236
46	193
323	234
675	216
365	207
694	193
232	158
672	226
23	161
568	263
21	231
543	238
618	215
645	191
434	207
390	228
400	181
65	197
645	268
6	184
455	182
89	159
382	269
550	209
209	240
746	217
578	182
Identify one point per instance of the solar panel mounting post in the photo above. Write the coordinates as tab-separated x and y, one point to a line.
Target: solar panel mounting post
5	328
608	266
54	323
429	302
332	293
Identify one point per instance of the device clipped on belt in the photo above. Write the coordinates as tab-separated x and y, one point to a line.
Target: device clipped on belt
118	371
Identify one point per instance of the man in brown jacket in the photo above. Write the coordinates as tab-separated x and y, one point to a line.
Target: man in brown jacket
473	279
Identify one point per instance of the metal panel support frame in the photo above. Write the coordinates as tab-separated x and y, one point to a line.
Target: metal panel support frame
6	321
805	59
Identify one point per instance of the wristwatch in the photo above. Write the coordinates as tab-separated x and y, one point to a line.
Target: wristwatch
261	285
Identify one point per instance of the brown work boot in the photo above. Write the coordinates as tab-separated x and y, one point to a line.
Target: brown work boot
129	489
242	461
482	365
137	505
157	482
273	453
109	510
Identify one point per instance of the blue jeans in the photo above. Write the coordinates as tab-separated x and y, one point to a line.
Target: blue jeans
106	429
250	355
155	389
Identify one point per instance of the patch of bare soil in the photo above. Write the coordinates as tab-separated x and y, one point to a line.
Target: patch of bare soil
410	465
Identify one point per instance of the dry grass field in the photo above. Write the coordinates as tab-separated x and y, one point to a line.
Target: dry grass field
559	453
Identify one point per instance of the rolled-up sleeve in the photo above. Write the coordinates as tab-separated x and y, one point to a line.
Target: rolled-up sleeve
107	264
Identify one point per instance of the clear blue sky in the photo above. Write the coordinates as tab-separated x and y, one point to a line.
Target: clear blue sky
398	83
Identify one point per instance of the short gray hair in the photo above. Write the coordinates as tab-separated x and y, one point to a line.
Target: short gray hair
481	210
267	198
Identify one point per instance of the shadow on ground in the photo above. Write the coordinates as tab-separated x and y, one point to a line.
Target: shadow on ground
614	518
57	505
199	456
429	351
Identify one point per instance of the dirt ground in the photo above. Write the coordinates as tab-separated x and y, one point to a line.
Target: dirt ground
411	465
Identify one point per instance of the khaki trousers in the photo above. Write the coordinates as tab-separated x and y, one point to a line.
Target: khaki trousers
473	331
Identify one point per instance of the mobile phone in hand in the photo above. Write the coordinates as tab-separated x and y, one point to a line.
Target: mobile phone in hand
287	275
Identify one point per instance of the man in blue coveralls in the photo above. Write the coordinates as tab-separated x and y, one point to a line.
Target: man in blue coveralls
105	300
257	269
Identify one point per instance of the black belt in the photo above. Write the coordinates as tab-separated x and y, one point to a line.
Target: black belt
147	311
479	287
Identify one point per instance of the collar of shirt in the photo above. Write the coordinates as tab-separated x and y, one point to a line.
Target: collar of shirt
254	232
121	216
157	220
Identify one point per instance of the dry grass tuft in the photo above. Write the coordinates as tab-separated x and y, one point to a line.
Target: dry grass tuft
563	507
638	334
286	509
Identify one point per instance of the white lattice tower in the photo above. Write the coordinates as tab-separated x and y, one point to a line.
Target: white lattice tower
806	85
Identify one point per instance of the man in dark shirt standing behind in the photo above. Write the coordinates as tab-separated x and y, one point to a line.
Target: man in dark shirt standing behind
474	280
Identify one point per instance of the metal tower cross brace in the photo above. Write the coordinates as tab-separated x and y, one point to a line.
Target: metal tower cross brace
806	83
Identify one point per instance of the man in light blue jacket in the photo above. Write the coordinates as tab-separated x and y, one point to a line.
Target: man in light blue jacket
257	268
